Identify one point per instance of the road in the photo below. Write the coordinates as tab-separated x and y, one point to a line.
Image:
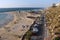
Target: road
41	26
45	32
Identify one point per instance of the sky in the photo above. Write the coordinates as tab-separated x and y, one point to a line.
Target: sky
26	3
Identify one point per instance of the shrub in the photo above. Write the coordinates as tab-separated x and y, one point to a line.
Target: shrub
57	38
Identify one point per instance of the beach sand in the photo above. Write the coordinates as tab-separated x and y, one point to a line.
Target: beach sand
15	29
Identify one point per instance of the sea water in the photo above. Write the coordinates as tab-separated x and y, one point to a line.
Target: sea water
5	19
18	9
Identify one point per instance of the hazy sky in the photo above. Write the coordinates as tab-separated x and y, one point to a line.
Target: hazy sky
26	3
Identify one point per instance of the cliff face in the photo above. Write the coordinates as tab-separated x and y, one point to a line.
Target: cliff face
53	20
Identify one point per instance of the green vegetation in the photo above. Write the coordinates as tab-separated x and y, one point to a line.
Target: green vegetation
57	38
28	35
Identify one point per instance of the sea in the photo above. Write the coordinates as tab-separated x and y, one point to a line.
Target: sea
18	9
5	18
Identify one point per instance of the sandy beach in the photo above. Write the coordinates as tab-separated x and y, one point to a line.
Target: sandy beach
16	28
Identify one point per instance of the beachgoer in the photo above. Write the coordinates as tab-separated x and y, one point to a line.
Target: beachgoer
23	26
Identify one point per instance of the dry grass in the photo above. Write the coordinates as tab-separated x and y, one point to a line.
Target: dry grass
53	19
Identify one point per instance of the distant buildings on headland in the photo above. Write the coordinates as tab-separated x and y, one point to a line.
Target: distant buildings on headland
56	5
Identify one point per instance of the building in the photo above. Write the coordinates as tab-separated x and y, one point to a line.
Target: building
58	4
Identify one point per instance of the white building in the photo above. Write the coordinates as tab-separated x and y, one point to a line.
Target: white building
58	4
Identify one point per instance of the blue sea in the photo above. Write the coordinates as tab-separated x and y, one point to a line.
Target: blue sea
17	9
5	18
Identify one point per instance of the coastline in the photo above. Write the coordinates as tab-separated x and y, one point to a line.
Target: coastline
14	28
